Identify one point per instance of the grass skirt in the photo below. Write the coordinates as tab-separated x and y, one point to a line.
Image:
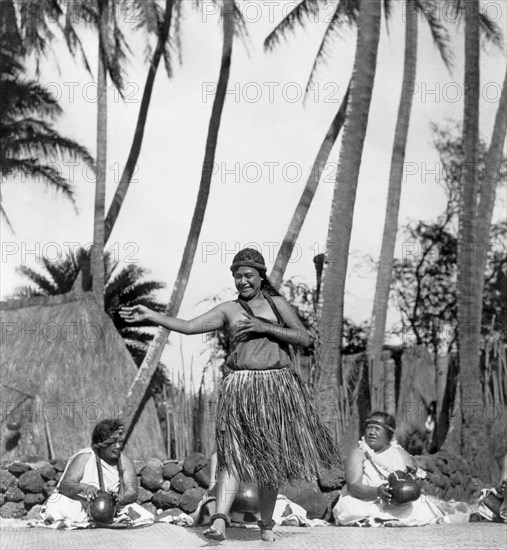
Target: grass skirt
268	429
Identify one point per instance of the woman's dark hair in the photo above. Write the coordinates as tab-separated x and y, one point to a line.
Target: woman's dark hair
253	256
104	429
387	419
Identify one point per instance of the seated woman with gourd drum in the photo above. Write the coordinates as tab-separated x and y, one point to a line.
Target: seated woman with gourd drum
98	486
382	486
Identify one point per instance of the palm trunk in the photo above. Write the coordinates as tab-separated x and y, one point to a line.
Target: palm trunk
97	253
138	389
299	216
385	269
329	395
468	299
488	189
135	148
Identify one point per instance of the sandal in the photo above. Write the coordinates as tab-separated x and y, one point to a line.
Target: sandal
212	532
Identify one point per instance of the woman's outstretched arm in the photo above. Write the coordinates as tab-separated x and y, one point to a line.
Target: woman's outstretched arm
207	322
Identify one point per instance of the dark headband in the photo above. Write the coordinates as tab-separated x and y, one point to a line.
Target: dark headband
248	263
379	423
113	438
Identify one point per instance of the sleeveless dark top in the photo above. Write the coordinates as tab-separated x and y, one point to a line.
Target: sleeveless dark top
260	352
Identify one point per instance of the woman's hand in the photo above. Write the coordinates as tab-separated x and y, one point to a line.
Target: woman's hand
250	325
135	314
89	492
384	492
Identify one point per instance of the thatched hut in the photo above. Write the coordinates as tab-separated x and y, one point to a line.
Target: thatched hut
63	368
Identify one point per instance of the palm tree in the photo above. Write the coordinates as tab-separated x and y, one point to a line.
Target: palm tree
232	22
298	217
473	243
345	12
104	16
467	298
30	147
163	26
329	383
124	287
385	268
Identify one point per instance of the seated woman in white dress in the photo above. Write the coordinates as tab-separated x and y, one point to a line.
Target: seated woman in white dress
80	482
366	499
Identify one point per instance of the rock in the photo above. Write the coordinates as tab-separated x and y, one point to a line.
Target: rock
34	498
330	480
36	462
14	494
58	464
190	499
425	462
439	480
34	513
47	471
143	495
308	495
203	476
181	483
443	464
166	485
49	487
457	478
151	476
18	468
139	465
193	463
31	482
170	469
166	499
7	480
12	510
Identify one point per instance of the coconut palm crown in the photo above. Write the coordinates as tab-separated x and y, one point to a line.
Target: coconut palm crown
125	286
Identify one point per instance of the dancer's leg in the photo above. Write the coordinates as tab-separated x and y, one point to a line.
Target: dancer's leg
267	502
227	487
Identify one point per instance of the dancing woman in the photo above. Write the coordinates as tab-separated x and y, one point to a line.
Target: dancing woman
267	429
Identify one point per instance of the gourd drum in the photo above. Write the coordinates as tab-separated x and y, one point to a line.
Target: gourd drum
103	507
403	488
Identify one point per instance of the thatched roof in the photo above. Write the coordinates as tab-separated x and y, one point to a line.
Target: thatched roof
63	368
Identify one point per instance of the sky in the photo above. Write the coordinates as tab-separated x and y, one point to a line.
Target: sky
267	142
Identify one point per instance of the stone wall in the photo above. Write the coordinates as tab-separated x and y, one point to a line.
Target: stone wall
449	477
175	486
171	485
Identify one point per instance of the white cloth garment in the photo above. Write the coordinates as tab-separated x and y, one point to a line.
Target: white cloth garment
350	510
62	511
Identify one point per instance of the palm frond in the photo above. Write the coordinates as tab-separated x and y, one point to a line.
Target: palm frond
43	283
4	215
49	145
27	97
140	289
299	16
438	30
330	34
147	15
491	30
44	173
125	277
71	37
